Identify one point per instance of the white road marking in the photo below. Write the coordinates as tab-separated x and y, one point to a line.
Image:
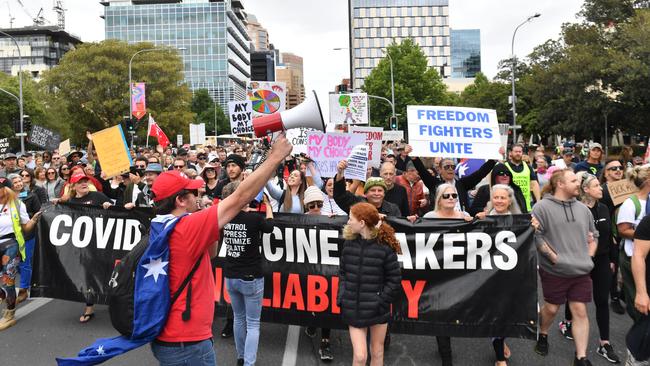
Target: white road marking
31	305
291	346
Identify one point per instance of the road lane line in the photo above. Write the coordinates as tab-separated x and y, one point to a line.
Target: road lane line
32	305
291	346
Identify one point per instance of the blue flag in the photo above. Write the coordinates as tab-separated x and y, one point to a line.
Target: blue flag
151	300
466	166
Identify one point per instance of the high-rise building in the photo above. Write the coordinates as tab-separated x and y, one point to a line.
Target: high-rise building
258	34
41	48
263	65
290	72
465	53
375	24
213	33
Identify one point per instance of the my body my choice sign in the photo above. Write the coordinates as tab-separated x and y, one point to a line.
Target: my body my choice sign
454	132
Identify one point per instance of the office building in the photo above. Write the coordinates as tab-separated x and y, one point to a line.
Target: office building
290	72
41	48
465	53
213	33
258	34
375	24
263	65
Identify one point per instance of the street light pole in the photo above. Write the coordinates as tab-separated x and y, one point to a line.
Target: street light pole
131	78
392	81
514	65
20	91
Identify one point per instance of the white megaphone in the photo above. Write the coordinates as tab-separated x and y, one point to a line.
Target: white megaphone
306	114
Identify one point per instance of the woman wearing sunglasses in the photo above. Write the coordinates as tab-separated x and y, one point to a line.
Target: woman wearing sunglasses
53	184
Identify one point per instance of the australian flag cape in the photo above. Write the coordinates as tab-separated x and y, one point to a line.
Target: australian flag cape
151	300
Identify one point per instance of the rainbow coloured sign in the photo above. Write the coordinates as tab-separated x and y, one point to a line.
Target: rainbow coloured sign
266	97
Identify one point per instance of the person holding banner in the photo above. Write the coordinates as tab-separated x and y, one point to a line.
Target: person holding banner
14	224
369	281
446	201
565	238
395	193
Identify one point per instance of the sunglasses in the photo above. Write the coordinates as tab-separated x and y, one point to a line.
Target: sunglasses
450	195
202	158
179	166
210	170
64	169
449	167
195	192
141	167
56	158
615	168
51	173
24	175
312	206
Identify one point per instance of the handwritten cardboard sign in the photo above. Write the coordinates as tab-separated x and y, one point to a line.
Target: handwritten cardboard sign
45	138
64	147
621	190
241	117
327	149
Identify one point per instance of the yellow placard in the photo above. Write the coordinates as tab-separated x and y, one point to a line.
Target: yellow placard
621	190
112	151
64	147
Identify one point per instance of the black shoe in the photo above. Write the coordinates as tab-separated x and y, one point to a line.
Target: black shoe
226	332
311	332
240	362
581	362
325	352
446	361
607	351
541	346
617	307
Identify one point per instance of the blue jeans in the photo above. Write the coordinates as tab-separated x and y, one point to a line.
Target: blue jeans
200	354
25	268
246	301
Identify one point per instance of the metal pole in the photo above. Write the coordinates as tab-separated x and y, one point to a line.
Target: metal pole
514	65
20	92
606	137
392	83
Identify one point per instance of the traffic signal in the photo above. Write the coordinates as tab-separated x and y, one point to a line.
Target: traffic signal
27	123
130	123
17	126
343	88
393	123
510	118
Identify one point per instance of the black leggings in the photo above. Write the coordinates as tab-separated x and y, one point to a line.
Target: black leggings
499	348
601	276
444	347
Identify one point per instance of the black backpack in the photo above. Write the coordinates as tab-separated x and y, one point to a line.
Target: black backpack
122	287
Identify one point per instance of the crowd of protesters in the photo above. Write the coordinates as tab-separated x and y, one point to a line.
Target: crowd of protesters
583	238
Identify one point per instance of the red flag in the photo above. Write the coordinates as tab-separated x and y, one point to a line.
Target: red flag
156	131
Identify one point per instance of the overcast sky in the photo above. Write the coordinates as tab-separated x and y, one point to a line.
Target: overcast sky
312	29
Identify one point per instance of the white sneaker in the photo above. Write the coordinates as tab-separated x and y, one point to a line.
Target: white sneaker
630	361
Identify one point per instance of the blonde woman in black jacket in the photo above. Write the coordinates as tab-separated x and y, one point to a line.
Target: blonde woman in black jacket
370	280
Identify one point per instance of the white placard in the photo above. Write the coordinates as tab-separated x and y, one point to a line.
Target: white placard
455	132
197	134
266	97
392	135
560	163
349	109
179	140
357	163
298	138
373	137
327	149
241	117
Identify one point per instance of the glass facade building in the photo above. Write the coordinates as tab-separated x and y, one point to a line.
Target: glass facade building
465	53
213	33
375	24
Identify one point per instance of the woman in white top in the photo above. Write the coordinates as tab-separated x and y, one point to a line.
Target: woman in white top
330	207
502	202
446	203
290	199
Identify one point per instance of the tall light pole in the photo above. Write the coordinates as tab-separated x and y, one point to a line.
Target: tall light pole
131	79
20	91
514	65
392	82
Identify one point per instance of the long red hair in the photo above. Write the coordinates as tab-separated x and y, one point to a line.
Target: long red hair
384	233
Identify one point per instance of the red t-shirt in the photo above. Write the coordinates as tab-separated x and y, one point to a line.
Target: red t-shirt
191	238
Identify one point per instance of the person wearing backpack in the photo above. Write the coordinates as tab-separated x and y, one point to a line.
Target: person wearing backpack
195	236
629	215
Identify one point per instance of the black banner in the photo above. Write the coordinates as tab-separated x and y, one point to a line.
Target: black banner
459	279
78	247
44	138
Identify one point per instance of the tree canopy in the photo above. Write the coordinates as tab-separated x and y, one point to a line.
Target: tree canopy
205	108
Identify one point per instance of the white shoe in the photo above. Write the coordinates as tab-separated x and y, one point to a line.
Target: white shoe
630	361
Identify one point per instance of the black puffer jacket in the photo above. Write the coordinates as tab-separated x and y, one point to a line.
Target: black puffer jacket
369	281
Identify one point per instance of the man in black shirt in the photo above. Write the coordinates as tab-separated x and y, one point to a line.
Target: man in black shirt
395	193
234	165
640	265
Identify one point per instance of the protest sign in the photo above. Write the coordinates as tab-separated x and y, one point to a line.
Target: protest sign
197	134
112	151
4	145
392	136
327	149
349	108
179	140
459	279
241	117
357	163
44	138
266	97
560	163
298	138
373	137
454	132
64	147
621	190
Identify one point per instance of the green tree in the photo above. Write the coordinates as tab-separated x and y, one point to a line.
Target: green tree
415	83
205	108
486	94
91	84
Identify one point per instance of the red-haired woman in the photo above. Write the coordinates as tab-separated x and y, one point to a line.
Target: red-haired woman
370	279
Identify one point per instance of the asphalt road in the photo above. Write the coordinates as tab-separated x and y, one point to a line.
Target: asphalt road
50	328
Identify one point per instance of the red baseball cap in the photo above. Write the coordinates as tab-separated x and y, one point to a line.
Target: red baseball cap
171	182
78	176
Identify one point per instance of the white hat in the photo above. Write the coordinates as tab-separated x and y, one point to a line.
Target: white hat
312	194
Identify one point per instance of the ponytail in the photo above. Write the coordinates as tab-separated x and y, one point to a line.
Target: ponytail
386	235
